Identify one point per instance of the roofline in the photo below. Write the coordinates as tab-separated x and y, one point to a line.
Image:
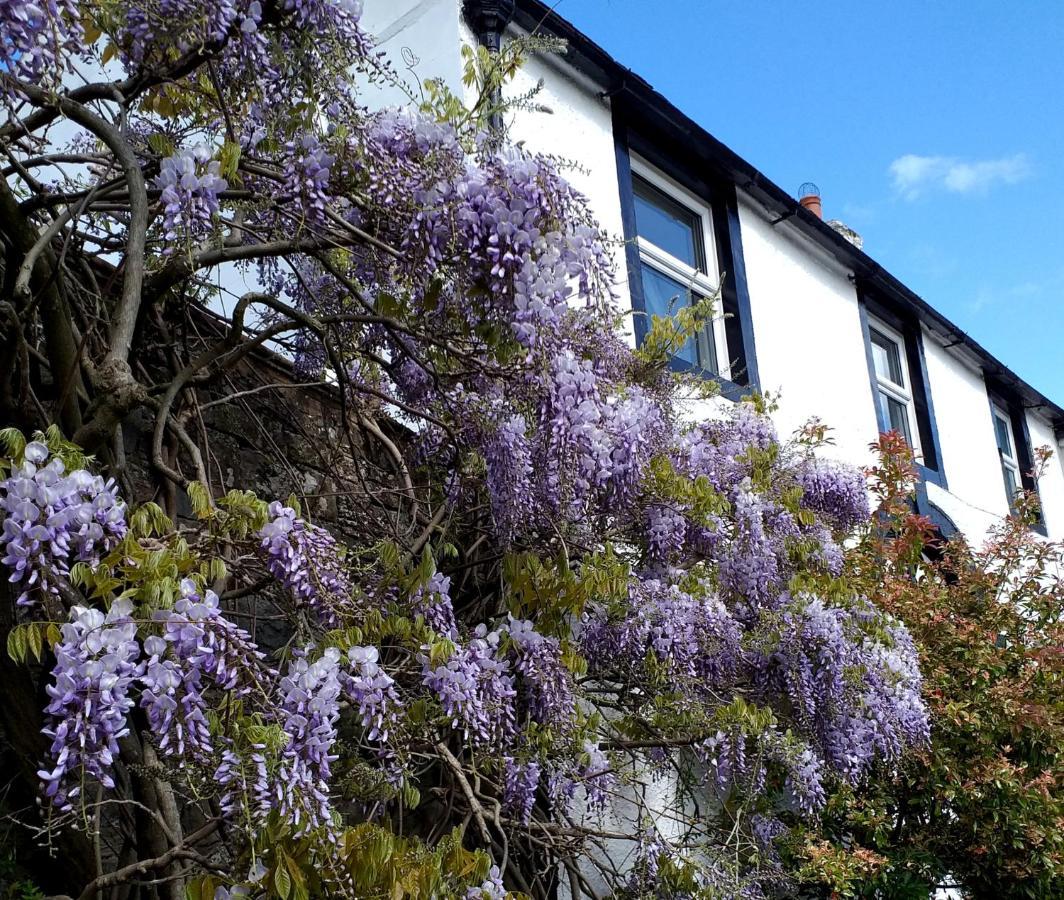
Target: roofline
620	82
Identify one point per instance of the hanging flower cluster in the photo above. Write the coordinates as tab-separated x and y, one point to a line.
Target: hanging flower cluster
95	670
52	519
37	39
190	183
307	560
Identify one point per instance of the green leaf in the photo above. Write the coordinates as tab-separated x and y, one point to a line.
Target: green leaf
229	159
282	880
16	644
13	442
34	635
199	498
161	144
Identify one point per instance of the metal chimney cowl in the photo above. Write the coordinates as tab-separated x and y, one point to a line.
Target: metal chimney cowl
809	197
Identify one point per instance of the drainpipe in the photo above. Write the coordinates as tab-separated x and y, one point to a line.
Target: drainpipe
488	19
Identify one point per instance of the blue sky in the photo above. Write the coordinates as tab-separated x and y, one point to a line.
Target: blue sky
936	130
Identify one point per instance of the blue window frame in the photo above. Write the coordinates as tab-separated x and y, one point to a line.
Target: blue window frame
1013	439
682	243
897	372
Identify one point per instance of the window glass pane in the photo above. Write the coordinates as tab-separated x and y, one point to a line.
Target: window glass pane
667	224
663	296
886	355
1012	486
894	416
1004	436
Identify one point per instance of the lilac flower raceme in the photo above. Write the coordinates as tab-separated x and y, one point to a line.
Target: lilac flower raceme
432	601
520	781
476	690
52	519
37	39
666	532
173	698
95	670
547	686
245	783
597	777
309	707
204	640
372	691
835	490
154	24
307	165
190	183
509	461
308	561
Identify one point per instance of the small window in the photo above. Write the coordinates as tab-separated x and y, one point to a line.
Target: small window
1010	464
673	232
895	409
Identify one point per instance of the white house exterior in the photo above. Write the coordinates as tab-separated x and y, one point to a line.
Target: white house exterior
809	314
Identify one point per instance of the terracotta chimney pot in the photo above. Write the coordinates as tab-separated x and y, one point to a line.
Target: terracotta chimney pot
813	204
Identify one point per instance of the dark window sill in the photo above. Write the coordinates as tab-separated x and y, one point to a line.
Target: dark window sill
932	475
730	390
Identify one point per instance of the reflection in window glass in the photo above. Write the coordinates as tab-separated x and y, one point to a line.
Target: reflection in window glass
887	358
1004	439
894	416
663	296
666	224
1010	467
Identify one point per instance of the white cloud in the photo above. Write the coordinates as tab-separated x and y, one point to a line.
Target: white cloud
913	175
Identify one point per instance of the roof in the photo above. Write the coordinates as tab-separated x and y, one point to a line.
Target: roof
622	85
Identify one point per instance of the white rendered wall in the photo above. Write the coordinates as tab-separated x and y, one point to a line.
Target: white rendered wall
969	445
807	331
427	29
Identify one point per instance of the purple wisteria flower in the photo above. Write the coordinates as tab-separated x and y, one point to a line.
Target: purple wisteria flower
95	670
835	490
666	532
205	641
190	183
309	562
491	889
307	164
509	462
372	691
52	520
546	684
309	706
597	777
173	698
37	38
432	601
476	690
520	781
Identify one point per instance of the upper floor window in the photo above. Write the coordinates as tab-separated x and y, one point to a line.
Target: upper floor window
897	371
1009	453
895	408
677	262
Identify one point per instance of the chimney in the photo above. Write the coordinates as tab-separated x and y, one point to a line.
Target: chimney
809	197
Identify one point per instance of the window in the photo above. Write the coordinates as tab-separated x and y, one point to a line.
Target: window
677	262
1008	450
895	408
